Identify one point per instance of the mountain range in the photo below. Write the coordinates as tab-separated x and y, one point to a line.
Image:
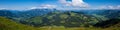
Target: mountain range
67	18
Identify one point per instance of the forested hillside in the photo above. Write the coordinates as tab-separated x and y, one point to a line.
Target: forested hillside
52	19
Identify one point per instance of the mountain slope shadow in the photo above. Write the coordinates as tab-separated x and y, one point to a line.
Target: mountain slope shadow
107	23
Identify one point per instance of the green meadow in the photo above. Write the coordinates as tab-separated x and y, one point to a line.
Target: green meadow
8	24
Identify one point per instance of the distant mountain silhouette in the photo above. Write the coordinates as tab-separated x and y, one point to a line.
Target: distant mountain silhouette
28	13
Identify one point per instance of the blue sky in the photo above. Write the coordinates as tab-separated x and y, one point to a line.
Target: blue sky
25	4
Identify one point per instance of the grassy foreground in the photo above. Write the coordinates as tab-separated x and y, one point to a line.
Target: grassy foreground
7	24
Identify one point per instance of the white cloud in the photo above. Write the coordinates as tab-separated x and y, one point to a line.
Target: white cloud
48	6
6	9
44	6
34	8
118	7
2	8
75	3
110	7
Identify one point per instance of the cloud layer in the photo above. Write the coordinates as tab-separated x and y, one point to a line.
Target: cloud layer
110	7
75	3
44	6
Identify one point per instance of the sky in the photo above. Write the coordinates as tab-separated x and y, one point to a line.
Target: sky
60	4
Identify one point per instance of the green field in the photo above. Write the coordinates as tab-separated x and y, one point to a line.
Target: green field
7	24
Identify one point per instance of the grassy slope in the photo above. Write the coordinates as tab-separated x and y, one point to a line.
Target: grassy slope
6	24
